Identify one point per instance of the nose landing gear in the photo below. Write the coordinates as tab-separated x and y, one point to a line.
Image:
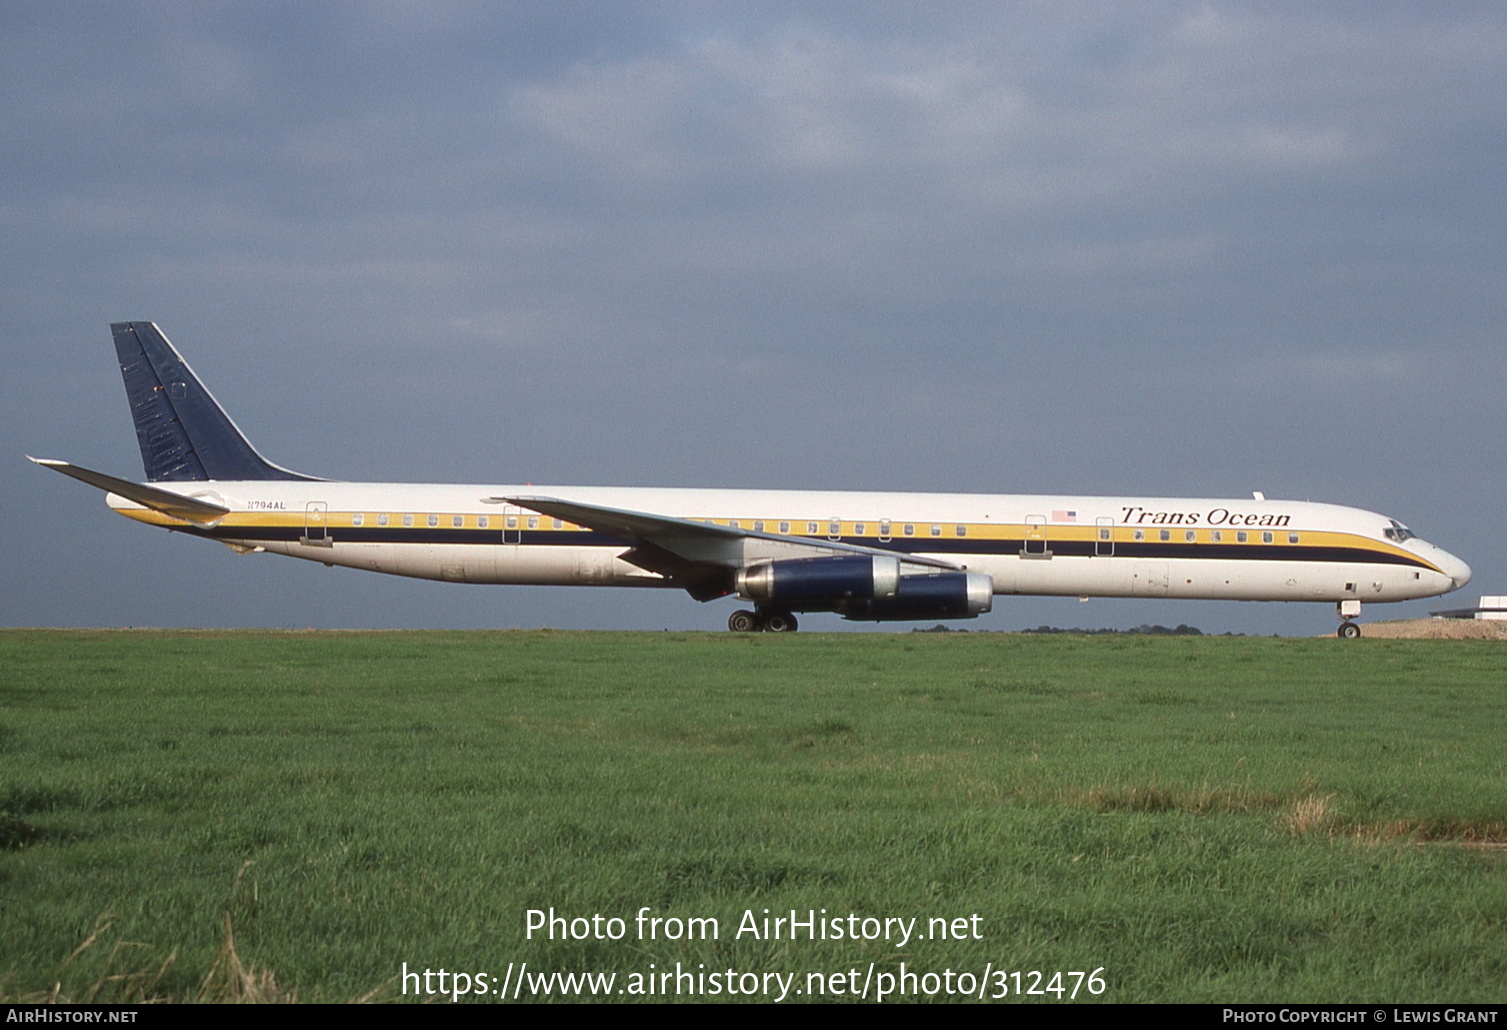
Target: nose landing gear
1348	610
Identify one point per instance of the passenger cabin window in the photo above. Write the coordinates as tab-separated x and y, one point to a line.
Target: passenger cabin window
784	527
1166	534
858	528
458	521
758	525
533	522
1292	538
407	520
382	519
1266	538
434	520
834	528
482	521
812	529
962	531
357	519
512	521
1241	536
1140	534
558	524
1216	536
936	530
1190	536
910	529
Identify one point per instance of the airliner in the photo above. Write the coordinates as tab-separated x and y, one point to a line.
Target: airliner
863	556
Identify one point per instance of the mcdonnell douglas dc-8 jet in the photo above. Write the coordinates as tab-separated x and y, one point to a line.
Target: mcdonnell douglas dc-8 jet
866	556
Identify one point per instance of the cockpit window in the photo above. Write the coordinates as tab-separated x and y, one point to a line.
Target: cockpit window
1398	532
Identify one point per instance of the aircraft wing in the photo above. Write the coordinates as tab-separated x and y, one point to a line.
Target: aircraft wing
699	556
189	509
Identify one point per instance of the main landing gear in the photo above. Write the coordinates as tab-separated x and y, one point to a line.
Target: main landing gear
1348	610
745	621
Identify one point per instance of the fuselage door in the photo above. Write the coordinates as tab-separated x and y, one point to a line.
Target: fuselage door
1104	537
512	524
1036	537
316	520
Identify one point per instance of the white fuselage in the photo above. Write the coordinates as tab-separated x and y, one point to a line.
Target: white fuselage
1073	546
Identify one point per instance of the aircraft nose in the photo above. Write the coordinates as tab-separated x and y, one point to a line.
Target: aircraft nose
1455	569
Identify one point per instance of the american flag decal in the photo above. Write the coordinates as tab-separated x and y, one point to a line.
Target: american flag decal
1064	516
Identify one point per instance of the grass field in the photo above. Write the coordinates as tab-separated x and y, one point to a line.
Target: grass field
295	815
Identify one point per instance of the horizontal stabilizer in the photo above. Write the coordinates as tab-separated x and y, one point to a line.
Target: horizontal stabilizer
189	509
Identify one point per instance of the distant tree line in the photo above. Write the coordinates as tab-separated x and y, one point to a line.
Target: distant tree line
1182	630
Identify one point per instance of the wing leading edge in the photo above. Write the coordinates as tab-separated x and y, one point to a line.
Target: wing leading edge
702	557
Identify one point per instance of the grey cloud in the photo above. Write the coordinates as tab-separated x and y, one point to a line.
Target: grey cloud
1175	248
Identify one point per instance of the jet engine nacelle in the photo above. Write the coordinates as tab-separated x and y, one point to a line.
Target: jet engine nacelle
947	595
821	581
865	587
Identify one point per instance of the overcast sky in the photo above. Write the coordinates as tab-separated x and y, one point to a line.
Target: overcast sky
1179	249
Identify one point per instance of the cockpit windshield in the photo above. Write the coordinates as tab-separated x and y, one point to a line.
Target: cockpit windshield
1398	532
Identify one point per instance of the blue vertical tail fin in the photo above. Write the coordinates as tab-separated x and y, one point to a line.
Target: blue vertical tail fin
184	434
